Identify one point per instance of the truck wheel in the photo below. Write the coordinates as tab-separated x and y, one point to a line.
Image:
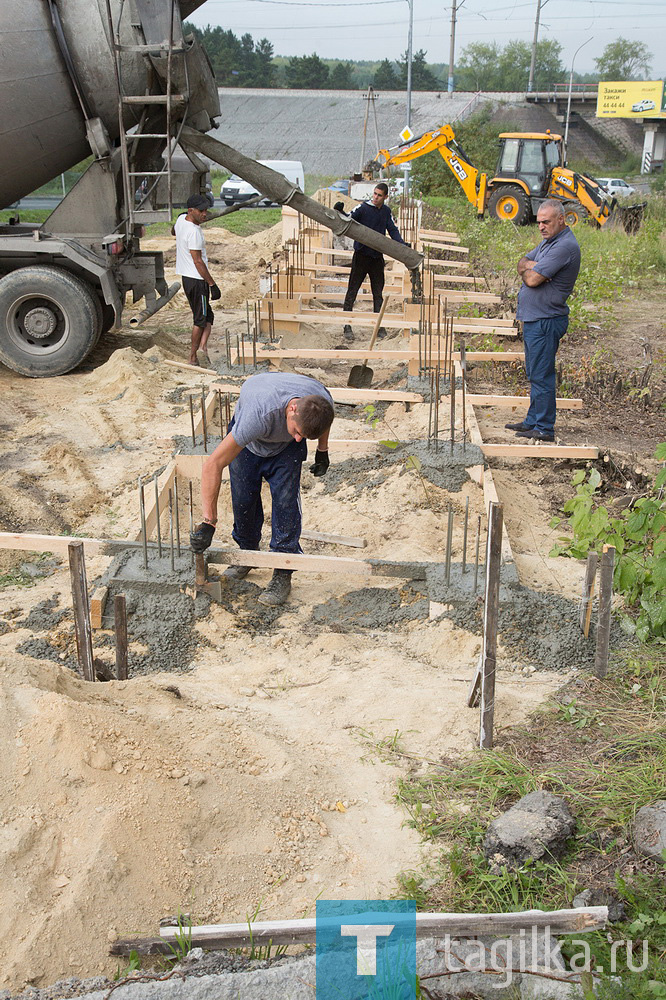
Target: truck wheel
509	203
48	321
575	213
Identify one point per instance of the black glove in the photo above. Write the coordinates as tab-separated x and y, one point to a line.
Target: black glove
215	293
321	463
339	206
201	537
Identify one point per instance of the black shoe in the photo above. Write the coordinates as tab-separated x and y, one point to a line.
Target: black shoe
381	333
535	435
522	426
236	572
278	589
348	332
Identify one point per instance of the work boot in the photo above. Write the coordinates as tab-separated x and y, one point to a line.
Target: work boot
381	333
236	572
522	426
278	589
348	332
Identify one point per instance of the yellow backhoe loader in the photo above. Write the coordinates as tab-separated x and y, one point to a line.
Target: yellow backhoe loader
530	169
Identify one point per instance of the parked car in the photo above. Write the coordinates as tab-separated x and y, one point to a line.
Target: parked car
616	187
235	190
644	105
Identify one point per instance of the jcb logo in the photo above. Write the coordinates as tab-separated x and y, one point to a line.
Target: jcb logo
564	180
459	169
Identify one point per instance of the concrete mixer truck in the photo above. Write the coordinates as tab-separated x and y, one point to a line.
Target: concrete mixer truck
118	79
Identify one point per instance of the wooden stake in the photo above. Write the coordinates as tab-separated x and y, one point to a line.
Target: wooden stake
490	618
120	621
604	617
82	627
588	593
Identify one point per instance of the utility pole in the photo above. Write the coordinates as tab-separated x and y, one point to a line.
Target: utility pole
530	83
452	47
409	62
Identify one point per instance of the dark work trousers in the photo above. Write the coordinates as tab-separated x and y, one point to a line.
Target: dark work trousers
283	474
361	266
542	339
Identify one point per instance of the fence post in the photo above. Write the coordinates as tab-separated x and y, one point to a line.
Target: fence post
490	618
604	617
120	622
82	627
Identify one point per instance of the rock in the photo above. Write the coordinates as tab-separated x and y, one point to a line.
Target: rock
603	897
100	760
650	830
537	826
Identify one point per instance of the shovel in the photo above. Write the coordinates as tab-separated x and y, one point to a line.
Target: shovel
360	377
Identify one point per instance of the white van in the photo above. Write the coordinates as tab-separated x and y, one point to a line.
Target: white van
235	190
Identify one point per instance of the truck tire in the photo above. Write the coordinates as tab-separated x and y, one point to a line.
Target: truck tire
574	213
509	203
49	321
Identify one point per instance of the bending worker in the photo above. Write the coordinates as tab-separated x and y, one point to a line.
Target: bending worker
549	274
366	261
192	265
274	416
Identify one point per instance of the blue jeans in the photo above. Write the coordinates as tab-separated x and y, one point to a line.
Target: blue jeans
283	474
542	338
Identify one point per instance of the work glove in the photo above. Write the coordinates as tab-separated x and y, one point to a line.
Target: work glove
321	463
215	293
339	206
201	537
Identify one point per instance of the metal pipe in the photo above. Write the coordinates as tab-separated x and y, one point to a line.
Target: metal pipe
157	516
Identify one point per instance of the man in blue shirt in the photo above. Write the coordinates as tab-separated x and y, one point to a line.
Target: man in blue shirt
366	261
549	274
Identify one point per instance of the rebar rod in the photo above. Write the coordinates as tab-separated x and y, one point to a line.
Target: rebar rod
157	516
194	438
191	505
171	539
142	510
228	345
204	429
465	528
476	554
219	408
175	501
449	544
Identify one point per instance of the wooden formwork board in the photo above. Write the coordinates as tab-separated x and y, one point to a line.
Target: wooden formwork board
381	354
346	395
436	245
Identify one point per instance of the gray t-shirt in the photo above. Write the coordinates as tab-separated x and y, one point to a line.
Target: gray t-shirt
558	259
260	423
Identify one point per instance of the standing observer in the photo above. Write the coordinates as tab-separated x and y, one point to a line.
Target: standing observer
366	261
549	274
192	265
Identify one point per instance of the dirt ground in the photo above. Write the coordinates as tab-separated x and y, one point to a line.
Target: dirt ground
249	774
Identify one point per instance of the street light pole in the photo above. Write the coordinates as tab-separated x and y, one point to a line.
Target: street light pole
566	127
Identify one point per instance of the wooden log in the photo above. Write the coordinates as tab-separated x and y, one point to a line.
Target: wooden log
82	628
588	593
604	617
120	623
97	604
490	619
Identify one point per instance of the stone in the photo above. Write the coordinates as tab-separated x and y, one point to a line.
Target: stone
650	830
537	826
603	897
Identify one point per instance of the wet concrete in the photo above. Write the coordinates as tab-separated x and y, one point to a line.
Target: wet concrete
373	608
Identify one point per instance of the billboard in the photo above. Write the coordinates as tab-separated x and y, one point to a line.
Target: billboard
631	99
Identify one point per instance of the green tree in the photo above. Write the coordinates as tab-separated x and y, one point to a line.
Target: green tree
624	60
486	66
478	67
306	73
341	76
236	62
422	76
385	77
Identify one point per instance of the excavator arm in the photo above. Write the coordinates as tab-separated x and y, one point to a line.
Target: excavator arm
443	140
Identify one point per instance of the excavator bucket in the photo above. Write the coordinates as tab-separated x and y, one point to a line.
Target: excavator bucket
627	217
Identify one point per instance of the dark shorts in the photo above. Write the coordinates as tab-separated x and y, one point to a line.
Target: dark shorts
198	295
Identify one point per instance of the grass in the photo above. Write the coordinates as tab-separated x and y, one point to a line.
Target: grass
245	222
602	746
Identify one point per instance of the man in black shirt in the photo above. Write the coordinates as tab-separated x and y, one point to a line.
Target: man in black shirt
366	261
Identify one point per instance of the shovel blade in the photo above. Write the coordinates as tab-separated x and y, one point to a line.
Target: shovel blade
360	377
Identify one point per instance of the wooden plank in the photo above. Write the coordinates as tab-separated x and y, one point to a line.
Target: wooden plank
538	451
490	621
322	536
440	234
191	368
588	593
97	604
436	245
82	628
379	354
342	394
521	402
120	626
455	279
604	615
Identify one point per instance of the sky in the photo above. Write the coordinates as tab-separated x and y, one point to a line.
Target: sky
377	29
